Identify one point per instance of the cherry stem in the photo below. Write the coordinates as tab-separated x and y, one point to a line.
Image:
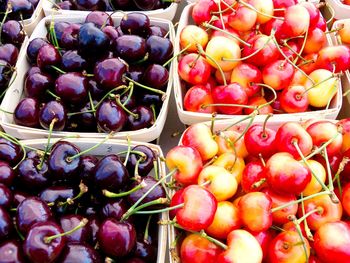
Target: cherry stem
91	101
58	70
265	123
319	83
248	117
145	205
53	35
229	7
53	94
120	104
8	9
178	54
146	235
332	11
153	108
136	169
318	210
110	92
116	195
306	225
329	173
212	122
257	11
40	166
144	86
80	112
48	240
207	25
293	51
220	14
297	227
71	158
302	47
133	207
70	201
259	183
135	152
128	150
262	160
159	210
291	62
131	91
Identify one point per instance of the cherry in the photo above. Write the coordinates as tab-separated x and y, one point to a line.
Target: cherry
34	174
21	8
56	194
30	211
53	110
95	90
114	209
121	4
135	72
12	32
99	18
143	120
48	56
130	47
159	49
5	74
156	76
37	248
109	72
111	33
148	182
72	87
27	113
61	164
116	238
130	102
135	24
11	251
87	119
150	99
36	85
32	70
18	197
9	53
145	163
66	5
79	253
6	226
110	173
87	166
92	38
59	28
88	5
110	116
7	174
145	251
260	141
69	39
10	152
6	196
72	61
157	31
81	235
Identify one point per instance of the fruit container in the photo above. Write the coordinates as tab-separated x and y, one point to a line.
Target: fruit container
15	93
167	13
337	41
188	117
341	11
109	147
175	236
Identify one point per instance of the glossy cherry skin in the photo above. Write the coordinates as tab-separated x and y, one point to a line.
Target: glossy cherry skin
259	142
194	70
50	111
37	84
31	176
114	209
61	167
145	251
72	61
10	152
59	28
55	194
156	76
47	57
197	97
146	164
9	53
6	196
72	87
130	47
30	211
75	252
92	38
12	32
159	49
27	113
82	235
135	24
157	31
7	174
115	238
5	74
144	118
69	39
110	173
21	8
110	116
36	249
18	197
99	18
87	166
11	251
6	226
109	72
157	193
66	5
253	176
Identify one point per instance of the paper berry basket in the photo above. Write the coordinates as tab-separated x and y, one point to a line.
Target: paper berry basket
341	11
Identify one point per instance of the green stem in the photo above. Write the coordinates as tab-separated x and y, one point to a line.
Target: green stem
306	225
110	92
120	104
144	86
146	235
53	94
8	9
297	226
320	149
70	201
40	166
159	210
48	240
80	112
116	195
15	141
128	150
58	69
175	56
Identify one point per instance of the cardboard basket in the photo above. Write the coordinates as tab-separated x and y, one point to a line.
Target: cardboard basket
30	23
341	11
188	117
15	93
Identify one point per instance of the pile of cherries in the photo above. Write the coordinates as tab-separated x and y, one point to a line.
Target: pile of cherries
11	38
20	9
64	205
105	5
268	55
95	76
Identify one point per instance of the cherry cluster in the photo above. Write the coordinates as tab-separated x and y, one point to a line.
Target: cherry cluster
96	76
59	205
19	9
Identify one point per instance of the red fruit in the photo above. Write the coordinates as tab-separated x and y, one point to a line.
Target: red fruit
198	96
194	69
259	142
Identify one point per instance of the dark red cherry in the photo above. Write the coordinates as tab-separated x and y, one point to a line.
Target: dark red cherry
9	53
88	5
82	235
116	239
73	62
32	70
6	196
145	251
130	47
11	252
91	38
149	181
149	99
6	226
109	73
7	174
61	165
144	118
50	111
88	163
59	28
56	194
145	163
21	9
69	39
33	48
99	18
156	76
135	24
27	113
18	197
75	252
12	32
110	173
30	211
95	90
94	225
48	56
10	152
134	260
36	85
159	49
135	72
114	209
157	31
31	175
66	5
130	102
110	116
72	87
37	249
111	33
5	74
87	120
